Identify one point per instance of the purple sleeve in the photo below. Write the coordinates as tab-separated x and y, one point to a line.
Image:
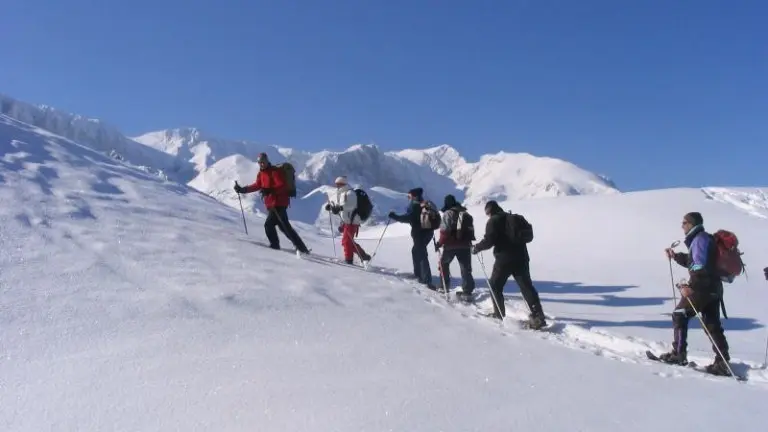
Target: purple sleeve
699	248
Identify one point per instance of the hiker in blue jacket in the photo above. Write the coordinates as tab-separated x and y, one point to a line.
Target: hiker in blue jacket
421	237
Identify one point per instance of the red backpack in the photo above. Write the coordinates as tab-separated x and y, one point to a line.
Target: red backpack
729	262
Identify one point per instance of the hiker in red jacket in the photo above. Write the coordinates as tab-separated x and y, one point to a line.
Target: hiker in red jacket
274	193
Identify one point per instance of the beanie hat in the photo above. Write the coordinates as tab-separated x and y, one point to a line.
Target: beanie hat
416	192
262	158
694	218
341	180
448	202
492	207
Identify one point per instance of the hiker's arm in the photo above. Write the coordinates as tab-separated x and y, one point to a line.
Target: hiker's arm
699	247
403	218
681	258
255	186
489	239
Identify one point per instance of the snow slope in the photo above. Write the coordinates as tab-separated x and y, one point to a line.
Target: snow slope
132	303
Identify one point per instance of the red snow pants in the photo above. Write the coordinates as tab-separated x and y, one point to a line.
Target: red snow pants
348	244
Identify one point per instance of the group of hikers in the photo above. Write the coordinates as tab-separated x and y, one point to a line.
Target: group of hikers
508	234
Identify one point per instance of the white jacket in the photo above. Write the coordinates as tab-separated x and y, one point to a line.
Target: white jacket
347	199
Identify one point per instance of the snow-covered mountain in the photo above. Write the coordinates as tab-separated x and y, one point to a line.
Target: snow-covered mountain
133	303
211	164
510	176
91	132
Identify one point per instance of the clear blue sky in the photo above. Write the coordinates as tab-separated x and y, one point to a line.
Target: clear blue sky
652	93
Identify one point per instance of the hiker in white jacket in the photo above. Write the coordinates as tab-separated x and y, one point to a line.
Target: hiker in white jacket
345	205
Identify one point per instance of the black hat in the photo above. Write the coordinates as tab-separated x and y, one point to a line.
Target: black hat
694	218
450	201
492	207
416	192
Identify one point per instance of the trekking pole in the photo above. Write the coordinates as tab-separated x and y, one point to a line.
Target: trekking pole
333	236
357	248
440	269
710	338
241	210
488	281
765	362
381	237
671	276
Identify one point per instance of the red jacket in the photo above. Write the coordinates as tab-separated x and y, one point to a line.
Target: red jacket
271	179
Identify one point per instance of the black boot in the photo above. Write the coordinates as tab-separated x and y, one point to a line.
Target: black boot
536	321
718	367
674	357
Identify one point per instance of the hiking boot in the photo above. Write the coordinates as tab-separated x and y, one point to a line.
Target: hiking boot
364	256
675	358
349	261
461	295
536	321
718	367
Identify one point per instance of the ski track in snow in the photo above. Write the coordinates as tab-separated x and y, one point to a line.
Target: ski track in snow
601	343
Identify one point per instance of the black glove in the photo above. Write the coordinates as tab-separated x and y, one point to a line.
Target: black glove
437	247
474	250
336	209
239	189
341	228
327	207
392	215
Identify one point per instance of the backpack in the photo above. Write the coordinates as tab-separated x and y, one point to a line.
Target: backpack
289	175
364	205
465	226
518	229
729	263
430	217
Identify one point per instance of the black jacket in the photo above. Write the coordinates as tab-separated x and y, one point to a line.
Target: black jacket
504	249
412	216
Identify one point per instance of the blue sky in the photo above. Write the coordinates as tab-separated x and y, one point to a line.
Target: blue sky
651	93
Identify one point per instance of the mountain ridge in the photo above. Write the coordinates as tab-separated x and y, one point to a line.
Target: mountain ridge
189	155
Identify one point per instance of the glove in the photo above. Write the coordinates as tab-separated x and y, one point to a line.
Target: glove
437	247
341	228
336	209
474	250
670	253
391	215
239	189
327	207
685	290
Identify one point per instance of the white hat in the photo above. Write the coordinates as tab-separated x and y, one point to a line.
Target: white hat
341	180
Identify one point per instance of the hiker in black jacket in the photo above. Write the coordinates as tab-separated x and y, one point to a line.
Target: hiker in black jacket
421	237
511	259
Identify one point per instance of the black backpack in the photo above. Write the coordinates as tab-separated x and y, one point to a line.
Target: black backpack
464	228
518	229
289	175
364	205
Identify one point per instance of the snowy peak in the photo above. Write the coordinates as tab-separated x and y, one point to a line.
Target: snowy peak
505	176
442	159
367	166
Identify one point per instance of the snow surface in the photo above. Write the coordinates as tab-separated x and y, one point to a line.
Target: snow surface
133	303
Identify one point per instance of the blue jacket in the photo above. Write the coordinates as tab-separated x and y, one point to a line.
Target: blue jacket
701	261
